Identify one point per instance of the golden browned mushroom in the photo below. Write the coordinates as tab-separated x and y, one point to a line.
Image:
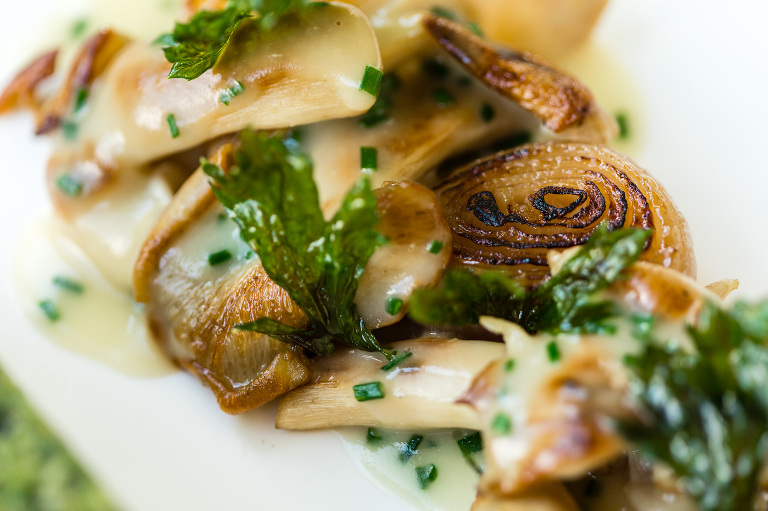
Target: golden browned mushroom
557	99
507	211
199	281
193	306
21	91
90	62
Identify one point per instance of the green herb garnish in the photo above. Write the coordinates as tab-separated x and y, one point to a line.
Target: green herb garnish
368	391
502	424
68	284
396	360
426	475
49	309
509	365
271	196
68	185
371	82
393	305
380	111
69	129
219	257
195	47
553	351
369	159
79	27
435	247
81	96
443	98
622	120
231	92
373	436
470	444
487	113
704	413
409	448
172	126
564	303
435	69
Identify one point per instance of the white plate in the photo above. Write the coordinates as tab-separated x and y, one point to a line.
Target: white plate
699	74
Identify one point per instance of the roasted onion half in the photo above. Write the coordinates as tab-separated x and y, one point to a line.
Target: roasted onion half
507	211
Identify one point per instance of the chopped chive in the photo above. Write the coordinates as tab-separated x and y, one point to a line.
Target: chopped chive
443	98
219	257
368	391
222	217
464	81
623	121
409	448
553	351
470	444
68	284
79	27
443	12
249	255
371	82
80	98
69	129
395	361
68	185
373	436
369	159
230	93
426	475
509	365
172	126
435	69
475	29
49	309
501	424
379	112
487	113
435	247
642	326
393	305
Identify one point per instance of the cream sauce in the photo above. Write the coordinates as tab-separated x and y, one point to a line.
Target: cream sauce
456	482
101	323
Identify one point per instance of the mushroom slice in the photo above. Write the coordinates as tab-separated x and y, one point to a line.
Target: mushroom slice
416	255
198	282
417	135
420	392
507	211
21	91
90	62
558	100
547	417
303	71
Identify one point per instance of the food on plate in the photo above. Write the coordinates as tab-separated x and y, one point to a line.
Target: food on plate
379	214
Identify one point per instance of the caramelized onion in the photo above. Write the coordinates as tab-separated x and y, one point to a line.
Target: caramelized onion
508	210
21	91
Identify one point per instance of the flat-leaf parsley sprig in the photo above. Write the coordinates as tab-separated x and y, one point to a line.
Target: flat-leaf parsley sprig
271	195
564	303
195	46
704	412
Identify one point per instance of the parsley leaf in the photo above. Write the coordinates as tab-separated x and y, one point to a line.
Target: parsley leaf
705	413
564	303
195	47
272	197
